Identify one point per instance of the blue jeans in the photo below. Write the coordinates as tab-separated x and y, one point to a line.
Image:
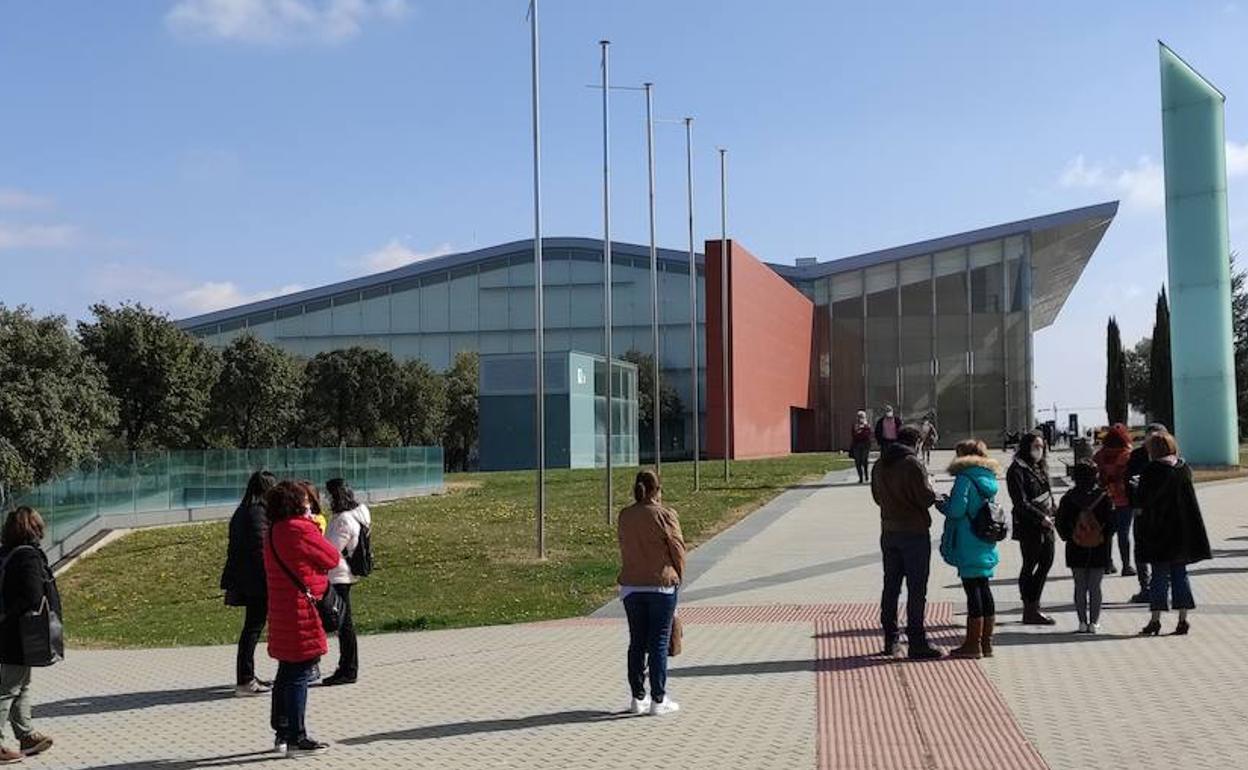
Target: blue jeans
1170	579
290	700
649	631
907	556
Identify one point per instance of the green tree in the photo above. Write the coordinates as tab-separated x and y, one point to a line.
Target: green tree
418	411
670	406
255	401
1138	363
462	410
1115	375
348	395
1161	385
54	402
161	376
1239	319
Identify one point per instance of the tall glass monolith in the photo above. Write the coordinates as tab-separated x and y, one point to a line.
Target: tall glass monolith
1198	255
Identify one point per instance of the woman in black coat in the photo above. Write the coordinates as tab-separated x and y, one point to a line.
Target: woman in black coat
243	579
1171	531
27	583
1033	512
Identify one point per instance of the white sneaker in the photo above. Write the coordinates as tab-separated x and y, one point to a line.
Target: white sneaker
253	687
279	747
639	706
1094	628
1083	628
663	707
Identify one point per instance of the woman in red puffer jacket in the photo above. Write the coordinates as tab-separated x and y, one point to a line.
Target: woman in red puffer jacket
1111	465
294	548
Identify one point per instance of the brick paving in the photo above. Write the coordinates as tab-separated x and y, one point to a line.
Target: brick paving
776	673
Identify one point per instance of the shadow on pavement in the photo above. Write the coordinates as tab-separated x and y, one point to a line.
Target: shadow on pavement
433	732
228	760
1023	639
783	666
849	633
128	701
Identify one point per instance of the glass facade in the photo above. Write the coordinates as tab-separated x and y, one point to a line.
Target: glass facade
946	333
487	307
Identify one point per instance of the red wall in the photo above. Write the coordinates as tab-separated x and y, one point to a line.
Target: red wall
770	347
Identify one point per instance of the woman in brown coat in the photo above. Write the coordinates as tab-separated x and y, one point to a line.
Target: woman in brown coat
652	565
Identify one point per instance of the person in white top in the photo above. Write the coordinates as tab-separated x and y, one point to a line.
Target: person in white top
350	518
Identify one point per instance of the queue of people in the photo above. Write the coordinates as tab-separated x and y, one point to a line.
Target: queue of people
1156	493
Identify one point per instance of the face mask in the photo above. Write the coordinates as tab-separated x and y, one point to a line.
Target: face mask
1037	454
888	412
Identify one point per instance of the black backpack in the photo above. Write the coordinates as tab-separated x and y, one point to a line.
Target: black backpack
990	524
360	561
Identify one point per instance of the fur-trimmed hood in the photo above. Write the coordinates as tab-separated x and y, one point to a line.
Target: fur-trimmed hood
967	462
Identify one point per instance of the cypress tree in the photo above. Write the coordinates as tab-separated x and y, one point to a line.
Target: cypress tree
1160	383
1115	375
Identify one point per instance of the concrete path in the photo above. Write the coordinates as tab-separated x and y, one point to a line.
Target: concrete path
777	673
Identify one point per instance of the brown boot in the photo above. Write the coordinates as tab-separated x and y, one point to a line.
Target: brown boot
985	642
970	648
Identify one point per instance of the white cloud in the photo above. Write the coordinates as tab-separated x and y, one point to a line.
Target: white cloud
174	293
1143	186
1236	159
34	236
12	199
280	21
395	254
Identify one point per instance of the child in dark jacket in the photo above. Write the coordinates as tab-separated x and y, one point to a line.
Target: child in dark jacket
1085	520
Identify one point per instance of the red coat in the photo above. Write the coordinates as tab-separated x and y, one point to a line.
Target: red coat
1111	466
295	633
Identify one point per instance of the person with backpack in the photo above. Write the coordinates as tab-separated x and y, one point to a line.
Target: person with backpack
1111	463
350	533
297	560
26	583
1172	531
1031	494
968	545
1086	520
243	581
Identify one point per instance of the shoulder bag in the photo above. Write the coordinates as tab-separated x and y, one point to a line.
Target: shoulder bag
40	631
329	607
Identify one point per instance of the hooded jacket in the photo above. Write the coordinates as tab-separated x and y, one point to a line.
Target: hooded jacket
1111	464
975	483
902	489
1171	528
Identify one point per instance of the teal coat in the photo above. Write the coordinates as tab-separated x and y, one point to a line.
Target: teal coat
975	481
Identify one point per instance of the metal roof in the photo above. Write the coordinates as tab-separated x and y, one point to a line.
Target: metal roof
1062	244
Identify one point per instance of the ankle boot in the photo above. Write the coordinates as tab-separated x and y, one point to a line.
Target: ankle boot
974	634
1033	617
985	642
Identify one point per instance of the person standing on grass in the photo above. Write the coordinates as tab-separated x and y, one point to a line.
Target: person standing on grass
1111	464
902	489
652	566
974	486
1135	469
1087	520
27	583
350	520
1172	530
1031	493
243	580
860	447
297	560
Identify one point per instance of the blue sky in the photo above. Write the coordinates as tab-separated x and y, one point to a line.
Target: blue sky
193	154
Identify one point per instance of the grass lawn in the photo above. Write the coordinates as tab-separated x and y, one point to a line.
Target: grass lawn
461	559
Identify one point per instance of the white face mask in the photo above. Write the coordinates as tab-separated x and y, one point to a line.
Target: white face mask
1037	453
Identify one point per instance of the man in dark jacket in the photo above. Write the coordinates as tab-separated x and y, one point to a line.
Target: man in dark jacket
1135	468
903	491
887	428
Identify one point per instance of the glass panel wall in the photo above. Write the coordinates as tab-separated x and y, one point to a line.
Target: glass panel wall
1018	415
917	386
988	288
881	335
847	362
953	399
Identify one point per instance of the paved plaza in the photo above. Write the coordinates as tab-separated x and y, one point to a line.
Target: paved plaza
778	672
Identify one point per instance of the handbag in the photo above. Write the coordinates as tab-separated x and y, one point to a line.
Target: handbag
676	641
42	635
329	607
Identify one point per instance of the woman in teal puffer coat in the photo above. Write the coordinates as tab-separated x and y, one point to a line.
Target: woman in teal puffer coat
975	483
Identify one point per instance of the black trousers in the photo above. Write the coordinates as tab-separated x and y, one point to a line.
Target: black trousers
253	626
979	602
348	648
1037	559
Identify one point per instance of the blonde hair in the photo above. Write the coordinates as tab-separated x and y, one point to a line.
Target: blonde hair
1161	445
971	447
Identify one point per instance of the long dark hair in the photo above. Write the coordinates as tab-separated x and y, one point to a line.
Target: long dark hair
1023	453
646	486
341	495
286	500
257	486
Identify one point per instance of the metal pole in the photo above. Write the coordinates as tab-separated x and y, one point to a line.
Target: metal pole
606	260
654	276
693	310
539	337
723	300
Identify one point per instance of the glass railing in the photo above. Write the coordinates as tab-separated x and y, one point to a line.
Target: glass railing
142	482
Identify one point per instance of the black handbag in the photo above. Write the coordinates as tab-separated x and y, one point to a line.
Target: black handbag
40	630
329	607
